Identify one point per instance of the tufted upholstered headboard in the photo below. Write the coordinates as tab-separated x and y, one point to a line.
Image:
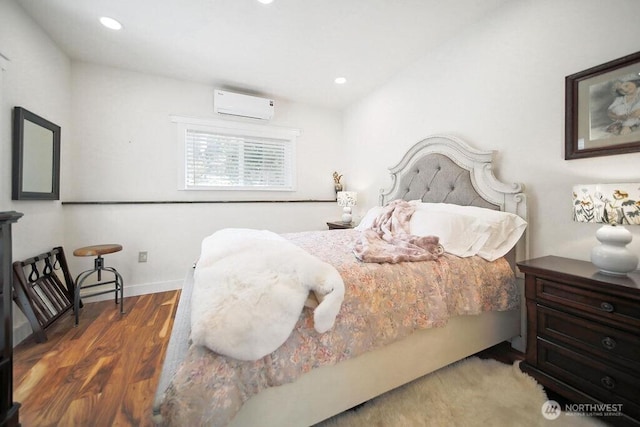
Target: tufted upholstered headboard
444	169
438	179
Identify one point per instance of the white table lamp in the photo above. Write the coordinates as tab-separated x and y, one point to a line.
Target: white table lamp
347	199
614	205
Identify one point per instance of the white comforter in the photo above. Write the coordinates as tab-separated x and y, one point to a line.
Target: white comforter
250	288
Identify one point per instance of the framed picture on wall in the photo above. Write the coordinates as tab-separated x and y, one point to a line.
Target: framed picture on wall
602	109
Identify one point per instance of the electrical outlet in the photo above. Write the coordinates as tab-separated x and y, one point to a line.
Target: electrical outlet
142	256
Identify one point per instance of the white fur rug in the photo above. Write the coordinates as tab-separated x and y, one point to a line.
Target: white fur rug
473	392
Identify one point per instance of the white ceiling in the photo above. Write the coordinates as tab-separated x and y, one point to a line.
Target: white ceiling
290	49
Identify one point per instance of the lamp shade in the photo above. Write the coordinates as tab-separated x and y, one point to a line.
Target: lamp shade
607	203
347	198
613	205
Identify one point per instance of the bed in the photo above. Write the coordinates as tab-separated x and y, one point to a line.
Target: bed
438	169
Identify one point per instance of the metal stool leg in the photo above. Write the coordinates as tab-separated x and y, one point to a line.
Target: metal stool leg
98	268
119	287
76	295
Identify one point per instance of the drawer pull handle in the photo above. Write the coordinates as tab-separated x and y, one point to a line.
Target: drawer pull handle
605	306
608	343
608	383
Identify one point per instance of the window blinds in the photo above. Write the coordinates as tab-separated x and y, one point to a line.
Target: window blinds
216	159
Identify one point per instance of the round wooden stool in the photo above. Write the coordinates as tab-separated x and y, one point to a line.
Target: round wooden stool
98	268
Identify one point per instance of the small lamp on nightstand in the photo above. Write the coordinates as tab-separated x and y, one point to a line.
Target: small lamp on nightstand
613	205
347	199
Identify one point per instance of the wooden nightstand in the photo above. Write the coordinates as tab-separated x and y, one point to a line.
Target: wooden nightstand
583	331
338	225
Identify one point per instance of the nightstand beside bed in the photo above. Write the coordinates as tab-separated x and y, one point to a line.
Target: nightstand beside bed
583	333
339	225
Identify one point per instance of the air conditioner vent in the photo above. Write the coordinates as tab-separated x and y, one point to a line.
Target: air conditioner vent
237	104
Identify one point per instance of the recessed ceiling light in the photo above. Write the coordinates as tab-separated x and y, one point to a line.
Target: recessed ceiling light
340	80
110	23
266	1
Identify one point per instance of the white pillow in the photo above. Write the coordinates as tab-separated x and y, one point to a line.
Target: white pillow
459	234
368	219
501	229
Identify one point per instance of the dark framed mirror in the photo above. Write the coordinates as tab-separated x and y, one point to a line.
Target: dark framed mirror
36	157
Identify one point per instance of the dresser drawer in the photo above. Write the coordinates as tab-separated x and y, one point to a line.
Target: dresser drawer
610	344
583	333
593	303
605	383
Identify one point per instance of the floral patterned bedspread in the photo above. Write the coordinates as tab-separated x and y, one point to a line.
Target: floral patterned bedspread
383	303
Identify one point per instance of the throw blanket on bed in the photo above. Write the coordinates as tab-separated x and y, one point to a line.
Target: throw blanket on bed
389	239
250	288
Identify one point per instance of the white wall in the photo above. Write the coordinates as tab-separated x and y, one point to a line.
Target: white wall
500	85
37	77
124	148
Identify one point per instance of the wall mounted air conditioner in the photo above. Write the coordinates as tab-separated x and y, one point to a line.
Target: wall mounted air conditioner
237	104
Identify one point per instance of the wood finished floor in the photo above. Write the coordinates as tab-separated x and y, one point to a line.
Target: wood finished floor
105	371
102	373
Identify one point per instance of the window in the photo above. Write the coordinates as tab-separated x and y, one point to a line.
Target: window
236	156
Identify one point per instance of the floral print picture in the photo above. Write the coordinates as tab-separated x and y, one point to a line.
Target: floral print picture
602	109
615	107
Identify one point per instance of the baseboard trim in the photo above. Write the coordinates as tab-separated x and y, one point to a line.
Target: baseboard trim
21	332
141	289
